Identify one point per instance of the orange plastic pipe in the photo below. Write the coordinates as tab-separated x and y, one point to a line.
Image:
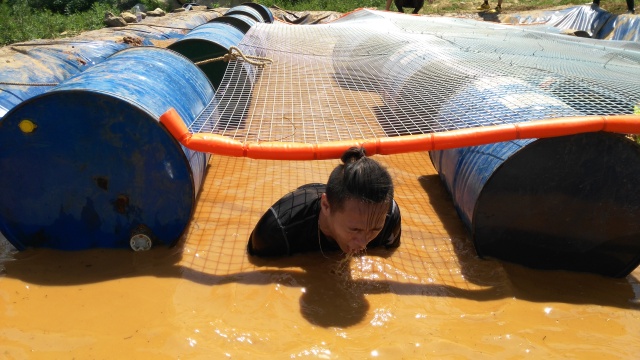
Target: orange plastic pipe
221	145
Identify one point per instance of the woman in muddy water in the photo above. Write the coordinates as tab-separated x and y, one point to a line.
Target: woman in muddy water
354	211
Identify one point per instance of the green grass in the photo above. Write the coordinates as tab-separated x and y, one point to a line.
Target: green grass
19	22
440	7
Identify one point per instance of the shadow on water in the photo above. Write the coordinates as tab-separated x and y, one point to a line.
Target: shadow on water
489	16
440	201
330	296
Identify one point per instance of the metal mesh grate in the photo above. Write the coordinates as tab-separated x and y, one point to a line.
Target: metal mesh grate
376	74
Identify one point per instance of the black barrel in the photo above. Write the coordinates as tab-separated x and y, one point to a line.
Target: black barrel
564	203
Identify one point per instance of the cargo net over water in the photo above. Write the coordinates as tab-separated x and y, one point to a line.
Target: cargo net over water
406	83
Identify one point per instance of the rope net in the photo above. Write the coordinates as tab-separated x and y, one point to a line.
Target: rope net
375	75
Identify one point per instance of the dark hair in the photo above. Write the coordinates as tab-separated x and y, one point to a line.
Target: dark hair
359	177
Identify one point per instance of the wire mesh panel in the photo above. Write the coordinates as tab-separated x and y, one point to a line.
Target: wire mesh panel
434	248
376	74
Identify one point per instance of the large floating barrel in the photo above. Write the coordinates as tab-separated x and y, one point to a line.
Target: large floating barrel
568	203
265	14
8	99
250	10
87	164
53	61
206	42
239	21
414	79
24	74
363	64
212	41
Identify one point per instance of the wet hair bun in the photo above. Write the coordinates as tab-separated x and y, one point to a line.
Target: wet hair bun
358	177
353	154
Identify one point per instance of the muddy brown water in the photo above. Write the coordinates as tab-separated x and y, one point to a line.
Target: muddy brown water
205	298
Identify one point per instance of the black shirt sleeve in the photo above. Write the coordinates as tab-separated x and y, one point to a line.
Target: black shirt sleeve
267	238
288	225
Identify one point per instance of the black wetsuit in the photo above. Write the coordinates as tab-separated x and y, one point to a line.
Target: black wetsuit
290	226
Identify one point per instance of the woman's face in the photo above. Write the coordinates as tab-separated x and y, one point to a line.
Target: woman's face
356	224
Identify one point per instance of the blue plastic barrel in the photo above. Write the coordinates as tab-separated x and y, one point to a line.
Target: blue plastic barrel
8	99
365	64
48	64
53	61
568	203
239	21
265	13
88	165
206	42
398	71
210	41
247	10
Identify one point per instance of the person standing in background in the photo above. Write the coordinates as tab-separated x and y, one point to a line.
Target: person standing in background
630	6
401	4
485	7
